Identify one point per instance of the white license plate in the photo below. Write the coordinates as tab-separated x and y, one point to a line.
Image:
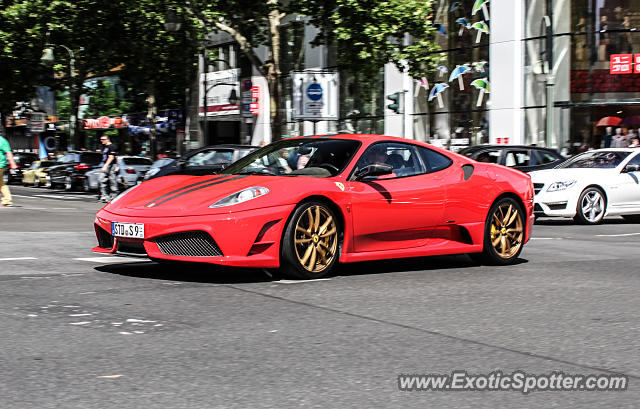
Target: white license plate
132	230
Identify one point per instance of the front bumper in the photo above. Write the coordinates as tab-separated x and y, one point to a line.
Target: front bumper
555	204
244	239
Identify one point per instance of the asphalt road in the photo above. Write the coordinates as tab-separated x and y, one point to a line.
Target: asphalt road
80	330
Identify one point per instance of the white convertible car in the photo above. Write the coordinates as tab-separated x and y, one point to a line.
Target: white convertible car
590	186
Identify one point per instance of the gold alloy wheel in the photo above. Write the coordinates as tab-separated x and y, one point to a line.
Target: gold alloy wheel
506	230
316	239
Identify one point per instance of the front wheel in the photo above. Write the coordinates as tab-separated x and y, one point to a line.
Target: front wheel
310	247
591	206
503	233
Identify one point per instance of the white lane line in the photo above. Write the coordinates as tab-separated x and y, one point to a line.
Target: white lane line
546	238
57	197
17	258
112	259
617	235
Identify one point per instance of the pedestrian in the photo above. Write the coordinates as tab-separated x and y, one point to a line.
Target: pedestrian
5	157
606	139
108	184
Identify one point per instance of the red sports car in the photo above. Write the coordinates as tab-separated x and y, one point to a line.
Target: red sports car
304	204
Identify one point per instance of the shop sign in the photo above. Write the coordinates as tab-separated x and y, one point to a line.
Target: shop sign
624	64
502	141
219	85
36	122
104	122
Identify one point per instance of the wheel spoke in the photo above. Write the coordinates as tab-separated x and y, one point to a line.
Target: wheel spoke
312	262
310	216
515	214
303	230
497	223
307	253
329	233
503	244
496	241
302	241
317	220
506	217
325	225
322	253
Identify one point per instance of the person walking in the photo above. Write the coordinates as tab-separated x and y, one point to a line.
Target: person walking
5	157
108	184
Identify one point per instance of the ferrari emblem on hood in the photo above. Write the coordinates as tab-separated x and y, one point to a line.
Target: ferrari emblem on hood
340	185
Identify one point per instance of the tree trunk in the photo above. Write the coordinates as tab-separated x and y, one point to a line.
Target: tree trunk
152	111
274	74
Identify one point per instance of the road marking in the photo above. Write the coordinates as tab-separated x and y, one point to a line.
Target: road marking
17	258
300	281
546	238
617	235
110	259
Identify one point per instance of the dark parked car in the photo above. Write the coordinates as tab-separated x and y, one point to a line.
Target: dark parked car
70	172
524	158
202	161
24	161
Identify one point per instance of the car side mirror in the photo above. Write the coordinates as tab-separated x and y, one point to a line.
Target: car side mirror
631	168
375	169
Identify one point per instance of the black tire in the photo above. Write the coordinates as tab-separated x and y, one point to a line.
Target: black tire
500	219
68	184
302	245
50	184
591	207
633	218
36	182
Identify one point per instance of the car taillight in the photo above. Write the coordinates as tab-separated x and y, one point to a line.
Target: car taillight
45	170
130	170
81	166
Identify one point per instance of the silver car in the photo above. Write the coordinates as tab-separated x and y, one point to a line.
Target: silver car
130	170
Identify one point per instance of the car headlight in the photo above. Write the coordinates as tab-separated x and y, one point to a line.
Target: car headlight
241	196
121	195
554	187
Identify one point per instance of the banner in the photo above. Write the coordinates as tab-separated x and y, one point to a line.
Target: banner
220	85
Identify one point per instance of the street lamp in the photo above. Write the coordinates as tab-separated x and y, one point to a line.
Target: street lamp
48	58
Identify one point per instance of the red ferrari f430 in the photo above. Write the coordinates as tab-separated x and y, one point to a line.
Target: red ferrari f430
303	204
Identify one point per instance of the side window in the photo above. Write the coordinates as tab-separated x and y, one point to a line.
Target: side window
517	158
210	157
492	156
403	158
544	157
434	161
635	160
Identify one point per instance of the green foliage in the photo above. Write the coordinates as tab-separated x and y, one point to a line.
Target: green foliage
104	100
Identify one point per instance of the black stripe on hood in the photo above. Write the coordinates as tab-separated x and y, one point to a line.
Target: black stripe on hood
194	189
152	203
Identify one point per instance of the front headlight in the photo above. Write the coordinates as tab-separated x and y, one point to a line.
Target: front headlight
241	196
554	187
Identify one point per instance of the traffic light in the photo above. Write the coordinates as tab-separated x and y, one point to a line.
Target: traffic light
396	102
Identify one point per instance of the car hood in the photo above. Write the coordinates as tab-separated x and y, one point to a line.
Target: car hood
183	195
562	174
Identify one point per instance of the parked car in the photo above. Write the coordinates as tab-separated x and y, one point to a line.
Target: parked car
36	175
524	158
202	161
590	186
131	170
24	161
71	170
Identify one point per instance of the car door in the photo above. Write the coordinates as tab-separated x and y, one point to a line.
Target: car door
400	210
66	162
625	192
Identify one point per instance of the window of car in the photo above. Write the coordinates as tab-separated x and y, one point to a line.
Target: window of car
595	159
402	157
434	161
67	158
635	160
517	158
544	157
317	157
90	158
489	156
210	157
137	161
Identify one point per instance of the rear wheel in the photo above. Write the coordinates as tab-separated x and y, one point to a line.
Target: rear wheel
49	184
310	247
36	181
68	184
503	233
591	206
86	186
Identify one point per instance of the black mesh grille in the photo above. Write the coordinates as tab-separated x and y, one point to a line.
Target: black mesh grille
105	240
188	244
131	247
537	187
538	209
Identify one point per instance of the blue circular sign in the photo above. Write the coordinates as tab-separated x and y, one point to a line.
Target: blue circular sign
314	92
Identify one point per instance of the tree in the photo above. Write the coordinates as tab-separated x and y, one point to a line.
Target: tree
368	33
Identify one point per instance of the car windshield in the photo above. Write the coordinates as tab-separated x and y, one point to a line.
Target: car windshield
210	157
136	161
595	159
90	158
320	157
